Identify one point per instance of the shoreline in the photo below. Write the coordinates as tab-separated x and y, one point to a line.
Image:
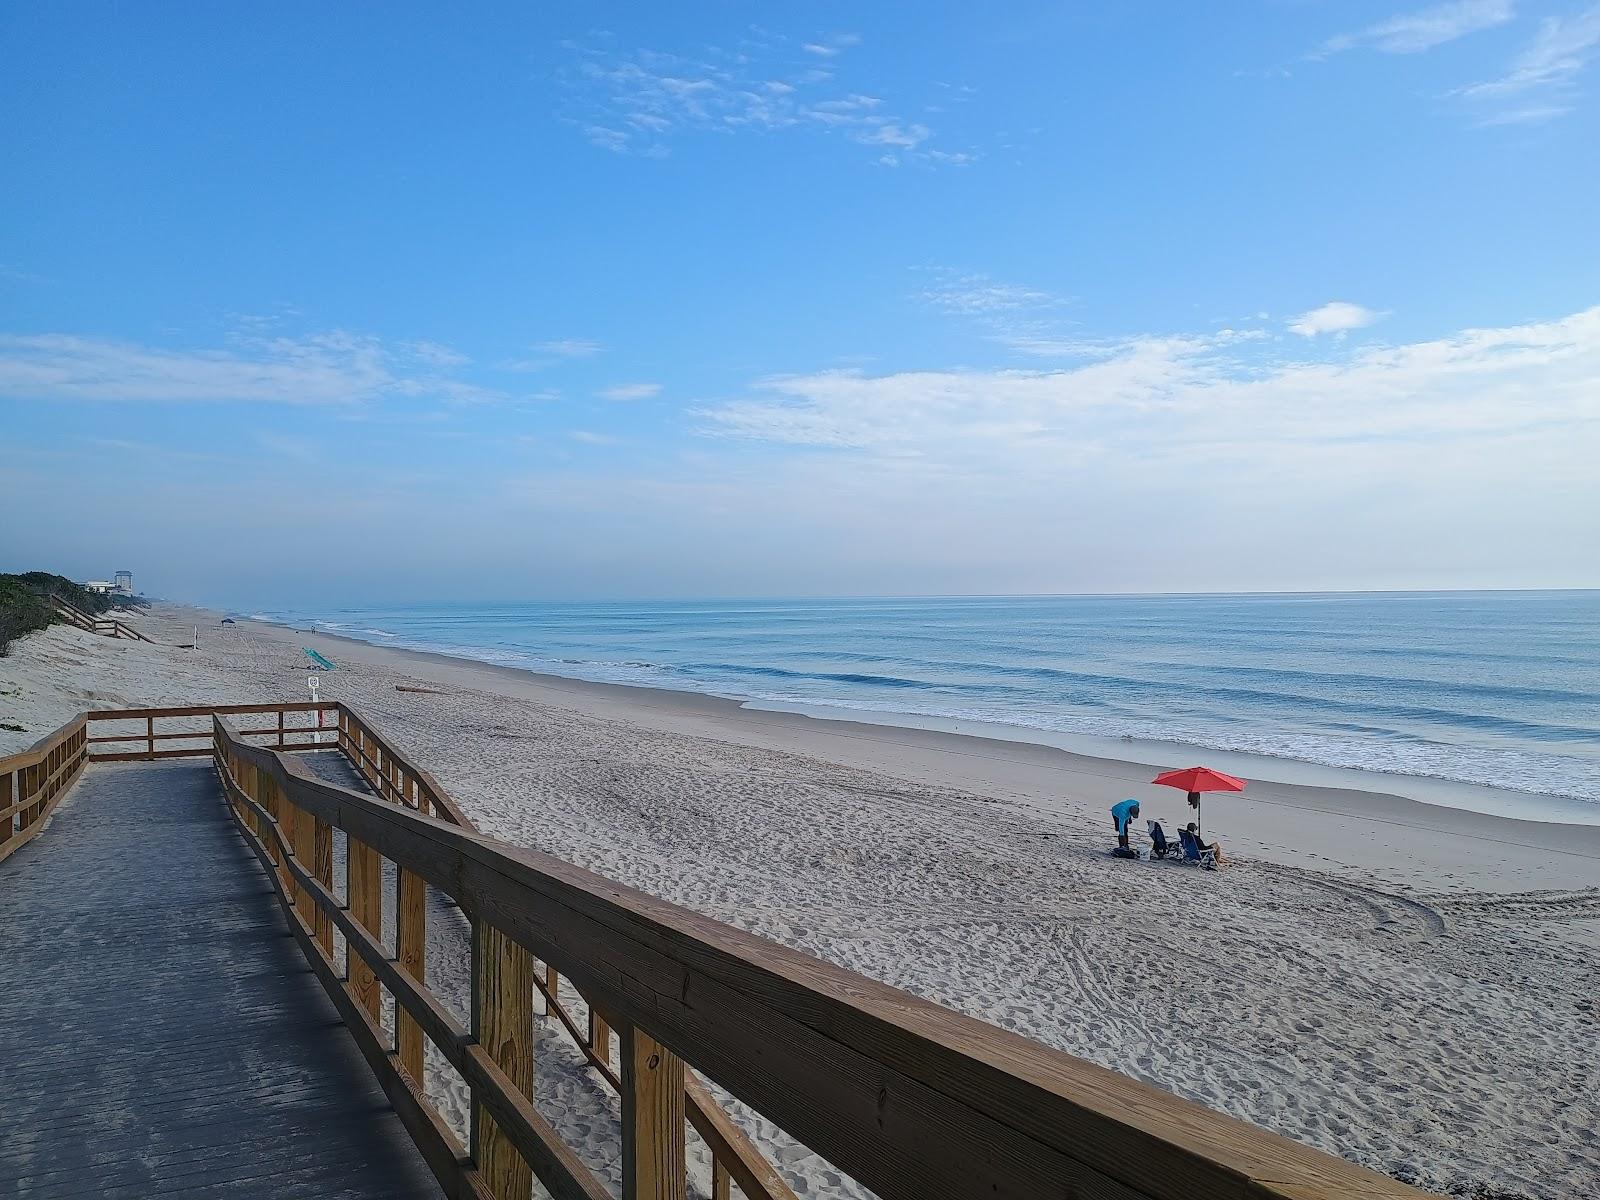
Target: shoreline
1338	821
1486	800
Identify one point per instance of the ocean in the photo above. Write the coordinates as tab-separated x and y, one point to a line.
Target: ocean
1497	688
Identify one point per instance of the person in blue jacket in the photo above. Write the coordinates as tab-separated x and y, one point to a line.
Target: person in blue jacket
1123	814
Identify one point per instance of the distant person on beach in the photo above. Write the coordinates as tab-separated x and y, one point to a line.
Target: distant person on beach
1214	847
1123	814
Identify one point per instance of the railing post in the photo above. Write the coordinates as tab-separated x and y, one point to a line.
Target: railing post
410	941
280	729
363	873
502	1023
652	1119
7	799
321	866
720	1181
303	836
150	737
599	1034
268	788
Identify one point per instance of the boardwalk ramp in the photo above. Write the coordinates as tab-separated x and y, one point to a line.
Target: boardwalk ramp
164	1034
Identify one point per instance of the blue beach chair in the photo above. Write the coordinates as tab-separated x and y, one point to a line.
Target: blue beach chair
1160	845
1193	851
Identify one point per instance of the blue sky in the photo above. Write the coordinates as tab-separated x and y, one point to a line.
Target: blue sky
305	303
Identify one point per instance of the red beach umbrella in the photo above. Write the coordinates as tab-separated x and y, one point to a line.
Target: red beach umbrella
1195	780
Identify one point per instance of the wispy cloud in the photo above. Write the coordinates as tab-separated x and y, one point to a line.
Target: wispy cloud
553	353
1155	396
330	368
435	354
1541	82
1412	33
569	348
829	47
1026	319
631	391
639	102
1336	317
591	438
971	294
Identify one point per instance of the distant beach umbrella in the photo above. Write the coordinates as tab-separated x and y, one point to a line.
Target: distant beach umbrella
1195	780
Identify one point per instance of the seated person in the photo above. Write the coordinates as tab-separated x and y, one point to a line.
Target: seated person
1193	831
1123	814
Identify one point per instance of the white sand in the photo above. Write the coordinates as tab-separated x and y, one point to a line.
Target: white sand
1407	985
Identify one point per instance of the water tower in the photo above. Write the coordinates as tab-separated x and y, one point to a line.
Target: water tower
122	582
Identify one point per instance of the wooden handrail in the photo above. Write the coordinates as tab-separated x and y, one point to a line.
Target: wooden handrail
909	1098
201	739
92	624
37	779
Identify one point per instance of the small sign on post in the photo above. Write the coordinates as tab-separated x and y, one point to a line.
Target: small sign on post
313	683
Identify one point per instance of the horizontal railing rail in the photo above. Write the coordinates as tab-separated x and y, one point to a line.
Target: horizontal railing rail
911	1099
33	782
105	626
299	725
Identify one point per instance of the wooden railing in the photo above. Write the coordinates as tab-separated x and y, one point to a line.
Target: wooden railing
105	626
152	729
734	1158
909	1098
33	782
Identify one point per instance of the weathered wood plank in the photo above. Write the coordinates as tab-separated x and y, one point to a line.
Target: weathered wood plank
411	939
502	1022
187	1054
653	1158
731	1149
363	875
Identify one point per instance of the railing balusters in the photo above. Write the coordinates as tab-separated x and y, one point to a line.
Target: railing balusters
502	1023
363	873
322	867
410	943
653	1159
7	799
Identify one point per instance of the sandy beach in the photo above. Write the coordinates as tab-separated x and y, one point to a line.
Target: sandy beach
1409	985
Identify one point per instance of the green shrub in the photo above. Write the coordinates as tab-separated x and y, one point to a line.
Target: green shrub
25	603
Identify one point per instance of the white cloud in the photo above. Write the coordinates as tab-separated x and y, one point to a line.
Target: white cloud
434	354
631	391
1153	398
1337	316
590	438
637	103
334	368
1542	79
1412	33
979	295
570	348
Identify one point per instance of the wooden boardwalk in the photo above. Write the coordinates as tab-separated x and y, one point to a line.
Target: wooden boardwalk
195	1000
163	1035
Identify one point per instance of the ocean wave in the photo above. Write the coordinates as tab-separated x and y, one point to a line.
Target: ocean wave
1476	694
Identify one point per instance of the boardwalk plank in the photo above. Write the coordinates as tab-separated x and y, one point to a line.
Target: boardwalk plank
176	1042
